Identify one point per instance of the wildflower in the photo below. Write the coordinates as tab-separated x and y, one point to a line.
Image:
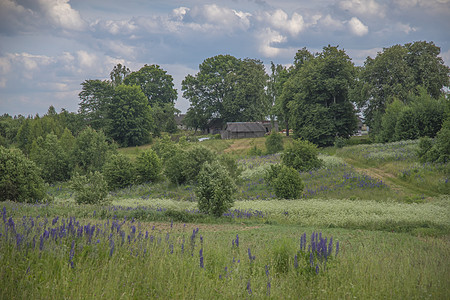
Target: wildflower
72	253
249	289
111	251
250	255
295	261
337	248
201	258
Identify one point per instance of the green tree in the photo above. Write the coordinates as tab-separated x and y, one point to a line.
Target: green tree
215	189
91	150
148	167
51	158
19	178
301	155
275	85
396	72
118	75
389	121
318	97
90	188
226	89
95	98
274	143
119	172
155	83
130	116
287	183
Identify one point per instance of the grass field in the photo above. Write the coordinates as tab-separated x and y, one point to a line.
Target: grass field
389	215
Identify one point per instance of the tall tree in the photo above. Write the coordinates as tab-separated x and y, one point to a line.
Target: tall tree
155	83
395	72
95	97
226	89
118	74
320	109
130	116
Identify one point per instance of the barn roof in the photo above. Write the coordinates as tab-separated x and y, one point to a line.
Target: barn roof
245	127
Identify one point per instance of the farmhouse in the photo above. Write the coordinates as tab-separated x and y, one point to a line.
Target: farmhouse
239	130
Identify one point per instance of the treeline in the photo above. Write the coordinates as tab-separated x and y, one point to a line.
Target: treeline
400	94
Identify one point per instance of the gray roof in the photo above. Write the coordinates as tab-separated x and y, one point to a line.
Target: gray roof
245	127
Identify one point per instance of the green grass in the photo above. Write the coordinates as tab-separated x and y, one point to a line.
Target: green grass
394	238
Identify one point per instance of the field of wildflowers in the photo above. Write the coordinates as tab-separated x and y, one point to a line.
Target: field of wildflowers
350	235
47	256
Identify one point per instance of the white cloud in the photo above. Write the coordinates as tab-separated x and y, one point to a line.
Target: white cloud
357	27
363	7
123	27
86	60
267	38
62	14
280	20
329	23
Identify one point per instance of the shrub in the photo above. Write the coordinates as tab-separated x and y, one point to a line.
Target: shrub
288	183
89	189
215	189
52	158
272	173
185	165
231	165
148	167
301	155
340	142
91	150
274	143
119	171
19	178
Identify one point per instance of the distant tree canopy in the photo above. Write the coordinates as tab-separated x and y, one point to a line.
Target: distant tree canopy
395	73
226	89
315	99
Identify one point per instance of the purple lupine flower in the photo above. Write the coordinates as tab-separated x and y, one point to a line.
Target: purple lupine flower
237	240
72	253
311	259
41	243
171	224
249	289
317	269
252	258
295	261
171	248
337	248
330	246
111	244
201	258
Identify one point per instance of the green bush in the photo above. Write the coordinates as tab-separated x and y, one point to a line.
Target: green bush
288	183
148	167
301	155
91	150
215	189
52	158
185	165
119	171
340	142
274	143
90	189
19	178
272	173
233	168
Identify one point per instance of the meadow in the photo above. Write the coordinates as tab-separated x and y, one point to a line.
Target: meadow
372	223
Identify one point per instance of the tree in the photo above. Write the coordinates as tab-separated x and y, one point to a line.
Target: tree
164	117
91	150
95	98
395	72
148	166
274	143
119	171
155	83
51	158
215	189
301	155
118	75
275	85
90	188
130	116
226	89
318	97
19	178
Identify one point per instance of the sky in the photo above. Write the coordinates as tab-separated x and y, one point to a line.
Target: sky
49	47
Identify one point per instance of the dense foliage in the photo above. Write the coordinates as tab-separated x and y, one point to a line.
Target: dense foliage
90	188
19	178
287	183
274	143
119	172
301	155
148	167
215	189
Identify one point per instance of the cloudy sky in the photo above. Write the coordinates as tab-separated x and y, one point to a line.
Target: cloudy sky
48	47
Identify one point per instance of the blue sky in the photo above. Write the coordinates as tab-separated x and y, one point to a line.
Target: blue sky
49	47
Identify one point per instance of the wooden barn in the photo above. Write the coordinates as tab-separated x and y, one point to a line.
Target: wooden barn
240	130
